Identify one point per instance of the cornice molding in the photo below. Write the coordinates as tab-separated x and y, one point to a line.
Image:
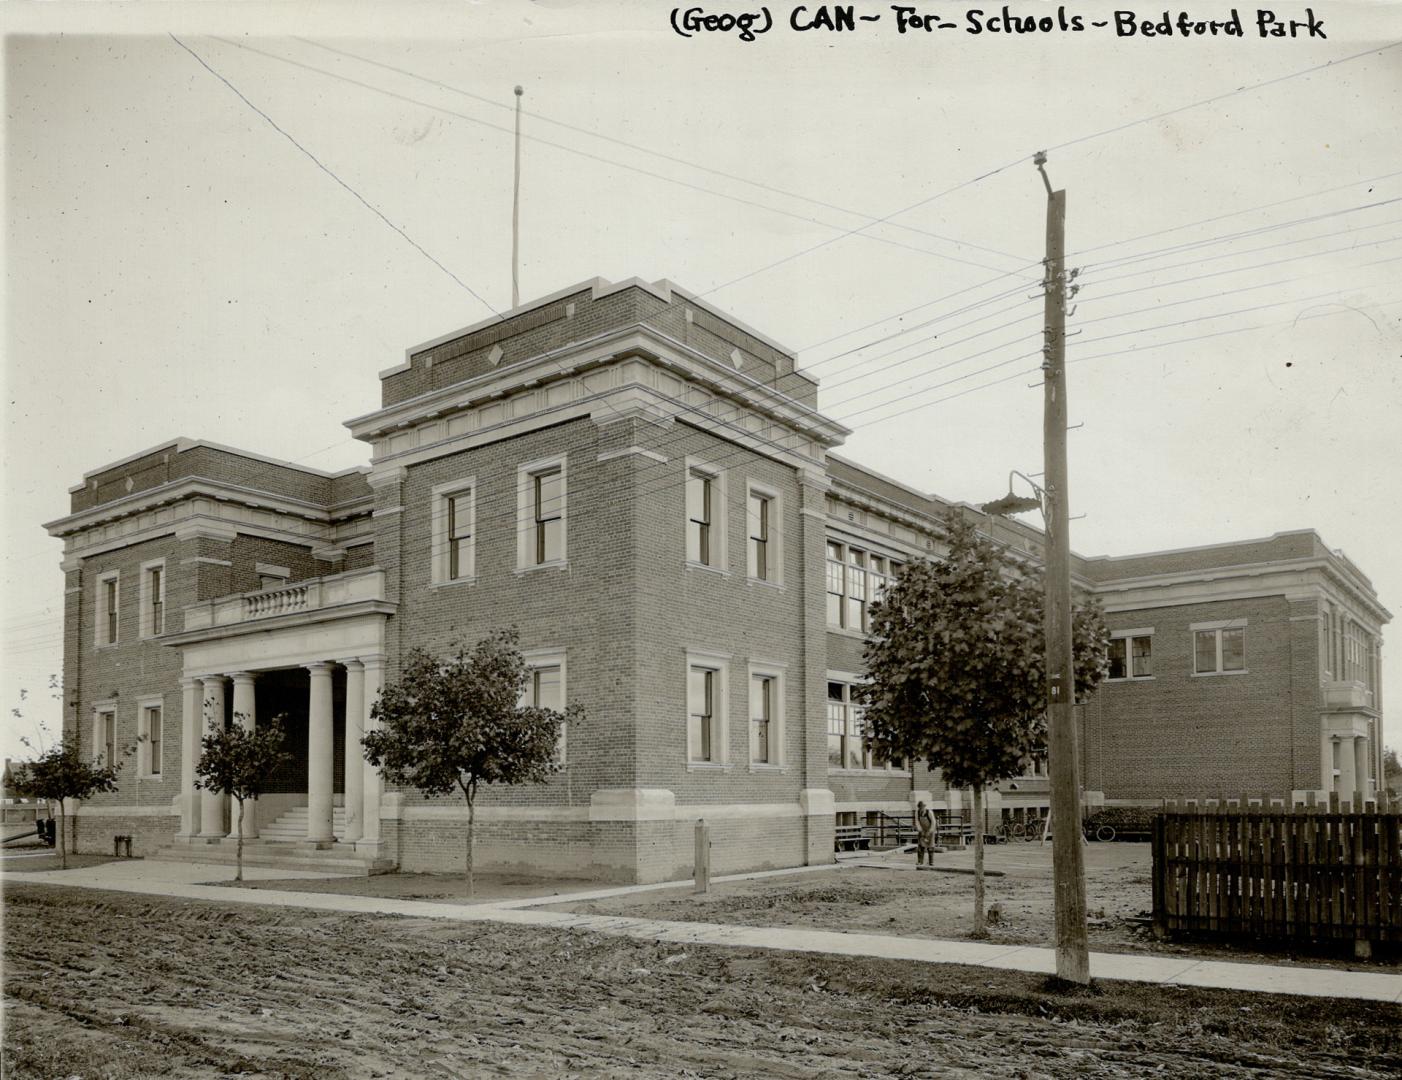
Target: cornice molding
1294	579
196	487
574	360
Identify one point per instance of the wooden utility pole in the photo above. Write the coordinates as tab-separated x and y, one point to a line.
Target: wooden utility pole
516	212
1068	861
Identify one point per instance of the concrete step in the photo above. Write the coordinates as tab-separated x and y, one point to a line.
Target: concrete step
291	825
337	859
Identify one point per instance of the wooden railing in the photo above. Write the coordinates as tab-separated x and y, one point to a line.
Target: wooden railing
1307	873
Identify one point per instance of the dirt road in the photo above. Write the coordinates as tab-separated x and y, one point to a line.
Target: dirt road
108	985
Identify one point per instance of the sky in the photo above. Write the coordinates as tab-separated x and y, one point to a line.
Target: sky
223	221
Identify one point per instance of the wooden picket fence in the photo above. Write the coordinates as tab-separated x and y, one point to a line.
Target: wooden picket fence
1259	869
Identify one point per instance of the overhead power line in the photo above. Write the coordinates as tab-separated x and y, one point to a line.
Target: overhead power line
593	133
328	171
805	218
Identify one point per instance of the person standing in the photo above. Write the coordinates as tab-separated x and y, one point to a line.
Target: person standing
924	835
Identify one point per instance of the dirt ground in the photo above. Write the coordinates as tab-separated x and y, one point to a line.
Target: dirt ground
897	901
107	985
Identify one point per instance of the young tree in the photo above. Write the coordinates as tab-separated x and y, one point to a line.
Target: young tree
956	665
455	724
1392	771
236	761
61	773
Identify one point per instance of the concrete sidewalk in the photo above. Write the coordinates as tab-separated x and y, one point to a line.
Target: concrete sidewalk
154	878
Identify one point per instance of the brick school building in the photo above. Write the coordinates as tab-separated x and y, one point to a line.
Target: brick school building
644	488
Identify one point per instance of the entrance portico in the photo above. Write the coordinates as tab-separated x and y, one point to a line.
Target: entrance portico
234	645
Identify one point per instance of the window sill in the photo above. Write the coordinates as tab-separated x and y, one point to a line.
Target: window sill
691	564
1131	678
765	583
767	767
708	766
1217	674
842	631
107	645
553	564
887	774
450	582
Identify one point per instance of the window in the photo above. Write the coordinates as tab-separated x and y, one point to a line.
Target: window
766	715
845	750
105	735
548	496
454	514
705	515
876	577
541	509
153	598
855	579
699	518
763	544
1326	640
700	708
459	536
545	688
847	747
271	576
1131	654
705	710
150	732
761	719
856	615
108	599
1219	648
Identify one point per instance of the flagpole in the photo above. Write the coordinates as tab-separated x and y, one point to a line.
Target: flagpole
516	212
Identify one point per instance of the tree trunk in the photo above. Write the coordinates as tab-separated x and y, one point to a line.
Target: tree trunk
238	849
62	835
980	926
471	830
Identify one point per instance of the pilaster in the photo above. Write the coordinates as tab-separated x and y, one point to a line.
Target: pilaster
191	717
371	840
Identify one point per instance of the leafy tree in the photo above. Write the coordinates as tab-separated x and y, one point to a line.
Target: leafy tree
238	762
455	724
1392	771
957	669
61	773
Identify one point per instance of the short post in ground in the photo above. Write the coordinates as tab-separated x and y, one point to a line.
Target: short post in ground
703	856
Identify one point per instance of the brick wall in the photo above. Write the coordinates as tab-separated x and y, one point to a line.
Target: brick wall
131	671
1179	735
582	608
683	608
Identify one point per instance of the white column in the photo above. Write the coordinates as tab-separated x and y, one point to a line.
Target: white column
354	767
1360	769
190	729
212	819
320	755
1348	778
245	715
373	784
